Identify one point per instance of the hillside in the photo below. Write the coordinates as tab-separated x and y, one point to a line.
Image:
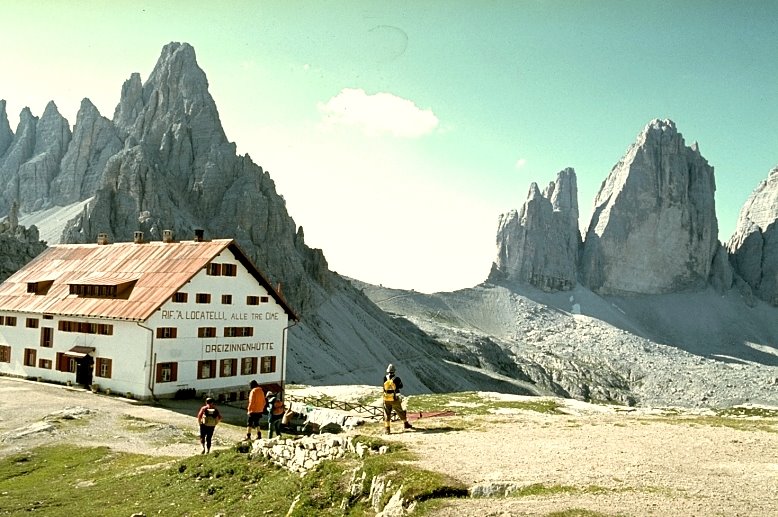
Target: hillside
692	349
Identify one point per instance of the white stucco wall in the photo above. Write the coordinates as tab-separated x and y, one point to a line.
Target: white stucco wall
268	320
135	350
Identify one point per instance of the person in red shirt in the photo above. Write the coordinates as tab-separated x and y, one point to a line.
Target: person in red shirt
255	409
208	417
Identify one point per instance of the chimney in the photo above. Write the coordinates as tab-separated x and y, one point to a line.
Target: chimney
138	238
198	235
102	239
167	235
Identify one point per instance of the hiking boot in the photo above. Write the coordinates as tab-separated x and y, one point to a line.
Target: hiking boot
407	425
248	437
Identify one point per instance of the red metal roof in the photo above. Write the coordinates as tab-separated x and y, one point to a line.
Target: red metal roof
160	268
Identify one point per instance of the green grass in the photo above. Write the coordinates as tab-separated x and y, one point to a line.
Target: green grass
472	403
99	482
766	424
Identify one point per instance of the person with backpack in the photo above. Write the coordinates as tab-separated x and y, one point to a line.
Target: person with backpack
254	409
208	417
275	413
393	400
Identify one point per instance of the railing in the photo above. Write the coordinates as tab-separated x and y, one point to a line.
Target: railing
376	412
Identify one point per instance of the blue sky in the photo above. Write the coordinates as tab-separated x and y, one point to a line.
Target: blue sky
398	132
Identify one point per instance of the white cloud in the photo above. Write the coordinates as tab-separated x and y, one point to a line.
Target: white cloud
521	162
377	114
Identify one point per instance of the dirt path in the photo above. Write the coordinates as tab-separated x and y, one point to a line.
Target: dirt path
610	463
601	459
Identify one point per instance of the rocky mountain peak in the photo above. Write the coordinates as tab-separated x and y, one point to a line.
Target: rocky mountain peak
538	244
753	248
654	227
6	135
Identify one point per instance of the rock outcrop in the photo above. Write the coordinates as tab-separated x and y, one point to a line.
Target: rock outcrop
19	245
654	228
753	247
538	245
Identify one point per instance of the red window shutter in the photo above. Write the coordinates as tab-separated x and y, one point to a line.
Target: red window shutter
159	373
174	332
173	372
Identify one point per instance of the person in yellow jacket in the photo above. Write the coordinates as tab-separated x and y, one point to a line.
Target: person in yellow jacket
275	413
255	409
393	400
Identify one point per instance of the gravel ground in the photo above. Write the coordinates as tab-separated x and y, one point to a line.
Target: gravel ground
612	461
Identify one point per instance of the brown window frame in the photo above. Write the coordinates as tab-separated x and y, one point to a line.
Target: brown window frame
211	364
264	299
206	332
30	357
32	323
248	366
229	270
47	337
5	354
238	331
231	364
10	321
172	367
252	300
213	269
180	297
102	363
167	332
44	363
203	298
226	299
271	359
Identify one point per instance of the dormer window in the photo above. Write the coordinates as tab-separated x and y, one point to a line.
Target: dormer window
40	287
103	288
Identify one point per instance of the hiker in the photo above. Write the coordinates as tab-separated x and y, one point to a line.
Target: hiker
255	408
275	413
393	399
208	417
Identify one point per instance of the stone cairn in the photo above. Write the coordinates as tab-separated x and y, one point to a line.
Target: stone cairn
302	454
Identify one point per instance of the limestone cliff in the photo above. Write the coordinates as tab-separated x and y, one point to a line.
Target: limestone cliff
654	227
753	247
538	245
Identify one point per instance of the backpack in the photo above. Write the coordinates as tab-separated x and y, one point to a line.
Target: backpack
211	417
389	389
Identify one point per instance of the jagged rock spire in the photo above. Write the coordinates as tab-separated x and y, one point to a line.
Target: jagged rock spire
753	247
538	245
6	135
654	227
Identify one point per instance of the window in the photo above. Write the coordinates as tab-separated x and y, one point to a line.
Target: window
180	297
85	327
206	369
252	300
268	364
47	337
48	317
32	323
229	270
10	321
5	354
202	298
167	332
238	331
167	372
206	332
248	366
29	356
227	299
103	367
264	299
228	368
66	363
214	269
44	363
41	287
